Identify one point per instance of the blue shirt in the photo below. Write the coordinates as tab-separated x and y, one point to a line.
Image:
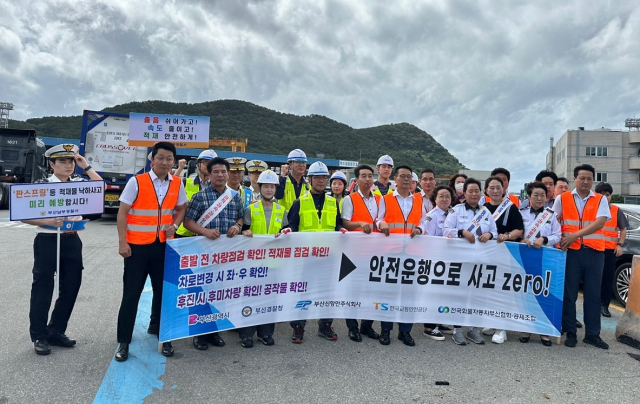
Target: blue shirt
228	217
297	186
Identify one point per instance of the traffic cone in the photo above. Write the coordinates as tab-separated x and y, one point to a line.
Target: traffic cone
628	328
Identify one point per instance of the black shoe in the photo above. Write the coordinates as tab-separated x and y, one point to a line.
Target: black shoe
123	352
596	341
41	347
326	331
247	342
545	340
384	337
578	324
154	329
61	340
266	340
354	335
605	311
524	339
215	339
571	340
200	343
369	332
298	334
167	349
406	338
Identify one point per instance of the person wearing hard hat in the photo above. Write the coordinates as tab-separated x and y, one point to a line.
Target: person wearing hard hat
263	217
236	175
315	211
292	183
255	168
383	185
191	187
62	160
414	182
338	184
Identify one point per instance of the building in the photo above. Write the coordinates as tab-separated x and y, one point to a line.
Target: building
480	175
614	153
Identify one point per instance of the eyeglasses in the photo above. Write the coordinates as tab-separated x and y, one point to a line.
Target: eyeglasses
404	176
444	197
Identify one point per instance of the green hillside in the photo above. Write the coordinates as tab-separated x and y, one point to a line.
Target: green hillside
274	132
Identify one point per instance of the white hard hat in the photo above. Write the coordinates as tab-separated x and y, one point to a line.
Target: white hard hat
414	177
318	168
297	155
207	155
338	175
268	177
386	159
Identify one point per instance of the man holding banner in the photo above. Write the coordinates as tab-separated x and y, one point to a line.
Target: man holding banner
214	211
146	220
62	160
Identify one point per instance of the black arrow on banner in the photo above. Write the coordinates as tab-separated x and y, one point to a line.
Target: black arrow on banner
346	267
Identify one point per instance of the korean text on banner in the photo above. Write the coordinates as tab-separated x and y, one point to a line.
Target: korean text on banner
214	285
183	131
56	199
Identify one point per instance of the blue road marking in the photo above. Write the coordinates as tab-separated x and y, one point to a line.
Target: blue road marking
135	379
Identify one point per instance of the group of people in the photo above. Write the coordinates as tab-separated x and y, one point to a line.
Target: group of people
156	206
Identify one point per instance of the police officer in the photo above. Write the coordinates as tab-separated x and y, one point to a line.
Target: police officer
292	183
62	160
254	168
338	184
263	217
315	211
382	185
236	176
191	187
146	219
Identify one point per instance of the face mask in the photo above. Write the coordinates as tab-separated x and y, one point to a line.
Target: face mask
459	187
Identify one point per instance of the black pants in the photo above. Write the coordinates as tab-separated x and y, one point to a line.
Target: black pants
403	327
352	323
584	265
145	260
44	268
606	290
263	330
302	323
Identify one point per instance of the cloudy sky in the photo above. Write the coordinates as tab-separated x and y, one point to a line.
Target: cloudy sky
490	80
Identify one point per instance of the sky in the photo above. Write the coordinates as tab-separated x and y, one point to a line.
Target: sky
491	81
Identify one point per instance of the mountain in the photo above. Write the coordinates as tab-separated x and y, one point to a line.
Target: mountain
275	132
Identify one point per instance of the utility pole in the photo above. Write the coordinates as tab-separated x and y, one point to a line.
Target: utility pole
5	107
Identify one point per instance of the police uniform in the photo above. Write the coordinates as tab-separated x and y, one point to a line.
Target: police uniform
257	166
44	268
237	164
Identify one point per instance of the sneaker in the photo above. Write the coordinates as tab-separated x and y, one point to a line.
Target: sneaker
41	346
326	331
445	329
499	337
474	336
298	334
488	331
247	342
434	334
458	337
596	341
266	340
571	340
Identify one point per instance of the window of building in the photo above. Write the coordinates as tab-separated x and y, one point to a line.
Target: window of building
596	151
560	156
601	177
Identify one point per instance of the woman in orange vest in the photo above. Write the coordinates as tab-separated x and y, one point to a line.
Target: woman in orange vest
612	246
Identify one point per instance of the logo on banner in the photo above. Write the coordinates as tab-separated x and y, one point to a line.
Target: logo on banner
443	309
303	304
381	306
246	311
193	319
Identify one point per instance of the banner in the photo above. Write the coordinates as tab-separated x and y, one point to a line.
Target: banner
55	199
183	131
214	285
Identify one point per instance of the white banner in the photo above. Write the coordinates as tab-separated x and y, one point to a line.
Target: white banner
236	282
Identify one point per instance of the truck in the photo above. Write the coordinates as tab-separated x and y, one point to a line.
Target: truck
22	160
104	144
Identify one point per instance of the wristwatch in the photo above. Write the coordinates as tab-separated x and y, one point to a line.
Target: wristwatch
622	244
175	226
87	168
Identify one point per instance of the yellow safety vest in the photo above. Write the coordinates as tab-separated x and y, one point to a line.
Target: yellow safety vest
259	220
309	220
290	193
190	188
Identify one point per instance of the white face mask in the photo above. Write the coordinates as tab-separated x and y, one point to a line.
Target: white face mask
459	187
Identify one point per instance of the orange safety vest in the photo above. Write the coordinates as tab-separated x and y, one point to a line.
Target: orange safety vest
361	212
146	219
515	200
572	222
395	218
610	229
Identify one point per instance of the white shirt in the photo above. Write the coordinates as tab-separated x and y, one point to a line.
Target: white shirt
426	202
406	204
603	208
130	192
434	222
551	229
53	178
370	203
460	219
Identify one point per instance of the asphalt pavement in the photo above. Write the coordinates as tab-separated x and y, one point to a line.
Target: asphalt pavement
315	371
